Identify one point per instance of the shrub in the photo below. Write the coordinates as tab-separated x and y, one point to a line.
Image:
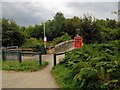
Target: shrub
86	78
93	67
63	38
32	42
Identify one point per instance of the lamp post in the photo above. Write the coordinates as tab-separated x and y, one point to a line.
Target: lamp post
44	28
45	38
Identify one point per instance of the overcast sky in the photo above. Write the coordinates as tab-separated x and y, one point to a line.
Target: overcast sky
34	12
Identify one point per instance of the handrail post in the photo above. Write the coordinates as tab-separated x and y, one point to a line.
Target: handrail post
54	57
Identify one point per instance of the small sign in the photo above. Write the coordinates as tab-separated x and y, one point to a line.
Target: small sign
45	39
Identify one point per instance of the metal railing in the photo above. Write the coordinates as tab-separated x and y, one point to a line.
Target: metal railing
19	53
55	55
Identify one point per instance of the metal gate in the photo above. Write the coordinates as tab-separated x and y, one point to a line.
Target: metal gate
10	53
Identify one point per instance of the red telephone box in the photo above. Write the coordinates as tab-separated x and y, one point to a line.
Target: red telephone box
77	42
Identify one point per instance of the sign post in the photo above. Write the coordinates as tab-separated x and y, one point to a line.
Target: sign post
45	38
45	42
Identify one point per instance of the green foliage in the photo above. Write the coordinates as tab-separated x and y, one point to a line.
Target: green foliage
12	38
91	29
32	42
93	67
71	25
60	75
63	38
0	64
88	73
108	34
26	31
87	78
36	32
55	27
10	33
111	23
30	65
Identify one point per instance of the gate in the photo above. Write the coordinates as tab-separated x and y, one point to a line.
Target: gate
13	53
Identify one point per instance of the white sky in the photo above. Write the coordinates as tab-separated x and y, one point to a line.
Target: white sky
59	0
30	12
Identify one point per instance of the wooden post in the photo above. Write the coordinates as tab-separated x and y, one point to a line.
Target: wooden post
20	58
3	54
40	59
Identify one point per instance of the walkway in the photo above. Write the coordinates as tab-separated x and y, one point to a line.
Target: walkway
39	79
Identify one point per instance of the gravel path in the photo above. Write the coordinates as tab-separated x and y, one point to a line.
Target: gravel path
39	79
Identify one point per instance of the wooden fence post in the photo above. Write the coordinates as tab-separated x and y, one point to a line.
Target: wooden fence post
20	58
40	59
3	54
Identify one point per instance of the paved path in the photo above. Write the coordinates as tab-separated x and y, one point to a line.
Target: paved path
39	79
0	79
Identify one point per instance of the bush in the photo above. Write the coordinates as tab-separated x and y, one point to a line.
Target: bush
86	79
32	42
88	73
93	67
63	38
108	34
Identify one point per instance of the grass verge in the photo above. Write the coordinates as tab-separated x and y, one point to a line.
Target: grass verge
59	72
0	64
27	66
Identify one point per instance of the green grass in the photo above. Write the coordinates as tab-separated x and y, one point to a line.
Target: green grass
0	64
27	66
59	72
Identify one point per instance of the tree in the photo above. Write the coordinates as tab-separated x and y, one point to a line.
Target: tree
37	32
13	39
23	31
90	30
109	30
55	27
33	42
71	25
111	23
10	33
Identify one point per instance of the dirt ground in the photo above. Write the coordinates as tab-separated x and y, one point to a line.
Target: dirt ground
39	79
